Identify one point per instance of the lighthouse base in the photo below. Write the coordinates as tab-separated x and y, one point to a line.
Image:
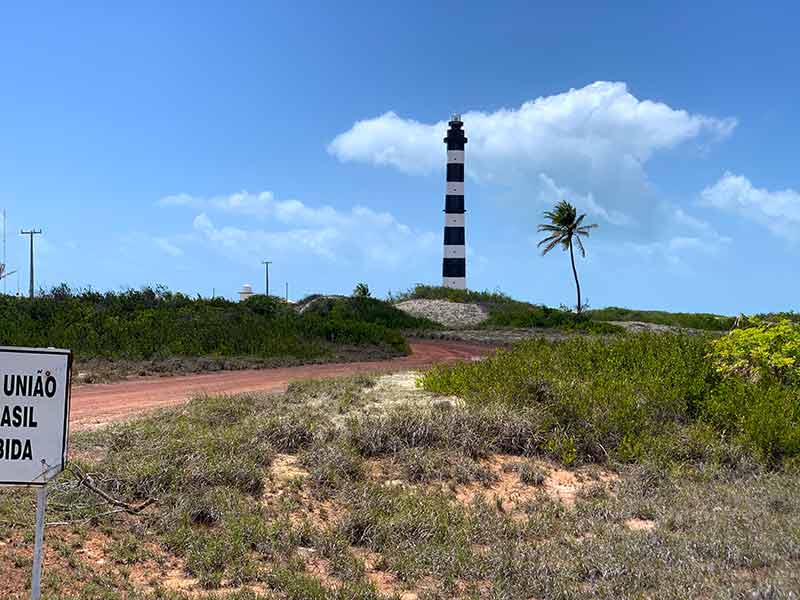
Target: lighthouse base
456	283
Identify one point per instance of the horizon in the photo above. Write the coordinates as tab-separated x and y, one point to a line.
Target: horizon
182	145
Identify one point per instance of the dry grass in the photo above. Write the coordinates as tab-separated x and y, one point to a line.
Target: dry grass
360	496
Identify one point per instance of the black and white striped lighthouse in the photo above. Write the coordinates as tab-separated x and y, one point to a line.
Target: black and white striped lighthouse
454	263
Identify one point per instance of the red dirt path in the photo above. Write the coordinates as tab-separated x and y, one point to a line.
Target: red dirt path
100	403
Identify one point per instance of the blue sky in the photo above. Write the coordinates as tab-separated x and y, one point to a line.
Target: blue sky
183	143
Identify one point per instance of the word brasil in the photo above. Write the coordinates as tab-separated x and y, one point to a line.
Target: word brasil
17	416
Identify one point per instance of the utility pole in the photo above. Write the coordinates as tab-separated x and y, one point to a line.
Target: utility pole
266	264
5	263
287	291
31	233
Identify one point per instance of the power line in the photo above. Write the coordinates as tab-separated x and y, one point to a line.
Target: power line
31	233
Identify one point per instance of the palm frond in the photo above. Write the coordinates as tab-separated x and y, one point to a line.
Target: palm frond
580	246
551	237
564	225
548	227
553	243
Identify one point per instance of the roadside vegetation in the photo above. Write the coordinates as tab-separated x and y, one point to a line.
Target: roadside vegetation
703	321
362	308
156	324
624	467
648	397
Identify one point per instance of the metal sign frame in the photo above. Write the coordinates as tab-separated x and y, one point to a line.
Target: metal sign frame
52	470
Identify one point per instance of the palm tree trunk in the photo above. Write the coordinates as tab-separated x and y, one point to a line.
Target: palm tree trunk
575	274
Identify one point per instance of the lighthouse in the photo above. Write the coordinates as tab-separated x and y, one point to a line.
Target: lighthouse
454	262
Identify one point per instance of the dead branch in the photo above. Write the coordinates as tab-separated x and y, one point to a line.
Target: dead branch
88	482
85	519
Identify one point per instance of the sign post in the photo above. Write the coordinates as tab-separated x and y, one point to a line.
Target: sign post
34	427
38	544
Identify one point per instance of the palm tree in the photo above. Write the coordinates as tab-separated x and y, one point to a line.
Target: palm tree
564	226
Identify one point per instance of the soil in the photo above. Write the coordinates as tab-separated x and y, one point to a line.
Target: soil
449	314
498	337
513	495
106	370
98	404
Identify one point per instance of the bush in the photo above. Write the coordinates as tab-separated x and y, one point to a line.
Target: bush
703	321
763	415
522	315
760	349
361	290
368	311
631	397
431	292
155	323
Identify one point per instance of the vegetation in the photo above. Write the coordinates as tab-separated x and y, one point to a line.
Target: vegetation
432	292
563	227
366	310
634	398
361	290
759	349
152	323
326	492
524	315
505	312
703	321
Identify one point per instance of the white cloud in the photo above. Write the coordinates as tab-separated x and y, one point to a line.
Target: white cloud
360	235
588	145
551	191
778	211
598	125
243	203
675	249
180	200
168	247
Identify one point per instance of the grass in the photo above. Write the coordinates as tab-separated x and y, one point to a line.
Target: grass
369	310
431	292
704	321
522	315
631	397
155	324
505	312
580	469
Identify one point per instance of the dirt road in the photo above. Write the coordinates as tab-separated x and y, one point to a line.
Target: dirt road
101	403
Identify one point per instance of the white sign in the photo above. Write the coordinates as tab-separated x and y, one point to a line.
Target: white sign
34	414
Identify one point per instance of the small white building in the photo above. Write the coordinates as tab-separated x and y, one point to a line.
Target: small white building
245	292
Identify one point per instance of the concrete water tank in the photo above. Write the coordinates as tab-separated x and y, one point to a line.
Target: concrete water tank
245	292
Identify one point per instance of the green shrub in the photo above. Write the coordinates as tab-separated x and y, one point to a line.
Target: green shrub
764	415
523	315
704	321
431	292
636	398
759	349
156	323
361	290
369	311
